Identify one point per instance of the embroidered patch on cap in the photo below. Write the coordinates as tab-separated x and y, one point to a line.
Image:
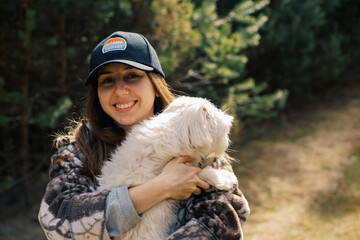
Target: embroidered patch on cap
114	44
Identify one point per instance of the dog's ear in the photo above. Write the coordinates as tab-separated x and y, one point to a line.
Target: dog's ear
223	131
200	124
218	124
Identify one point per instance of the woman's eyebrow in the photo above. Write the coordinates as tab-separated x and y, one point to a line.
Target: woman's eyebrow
109	72
103	72
129	67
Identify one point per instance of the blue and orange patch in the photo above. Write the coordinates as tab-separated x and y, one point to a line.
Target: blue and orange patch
114	44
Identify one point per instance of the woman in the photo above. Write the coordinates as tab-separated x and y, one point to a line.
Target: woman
126	86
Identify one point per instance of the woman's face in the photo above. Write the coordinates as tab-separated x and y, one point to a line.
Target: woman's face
126	94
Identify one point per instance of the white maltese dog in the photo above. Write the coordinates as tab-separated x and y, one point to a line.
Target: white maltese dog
188	126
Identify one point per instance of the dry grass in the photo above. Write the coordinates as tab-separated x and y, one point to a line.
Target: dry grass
306	186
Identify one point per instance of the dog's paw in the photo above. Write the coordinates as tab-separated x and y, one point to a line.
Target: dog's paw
220	178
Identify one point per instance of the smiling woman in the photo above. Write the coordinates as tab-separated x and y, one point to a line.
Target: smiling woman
126	94
127	86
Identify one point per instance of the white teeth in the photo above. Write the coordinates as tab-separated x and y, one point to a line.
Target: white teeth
123	106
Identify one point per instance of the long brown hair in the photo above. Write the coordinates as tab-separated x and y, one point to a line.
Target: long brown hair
97	135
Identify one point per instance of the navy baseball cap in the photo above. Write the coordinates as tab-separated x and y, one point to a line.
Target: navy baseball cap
132	49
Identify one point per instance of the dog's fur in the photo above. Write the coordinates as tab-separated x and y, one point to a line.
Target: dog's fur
188	126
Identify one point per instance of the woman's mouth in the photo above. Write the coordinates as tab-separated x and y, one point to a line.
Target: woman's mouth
124	106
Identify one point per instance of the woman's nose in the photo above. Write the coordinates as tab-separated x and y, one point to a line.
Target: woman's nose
121	87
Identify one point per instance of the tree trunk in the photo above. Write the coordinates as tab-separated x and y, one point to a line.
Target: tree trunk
25	150
63	51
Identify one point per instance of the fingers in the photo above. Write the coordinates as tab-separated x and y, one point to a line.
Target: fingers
200	183
184	159
197	191
203	184
183	178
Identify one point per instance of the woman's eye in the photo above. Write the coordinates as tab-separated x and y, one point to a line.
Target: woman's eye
107	80
132	76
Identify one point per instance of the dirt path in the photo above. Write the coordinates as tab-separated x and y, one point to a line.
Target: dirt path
297	179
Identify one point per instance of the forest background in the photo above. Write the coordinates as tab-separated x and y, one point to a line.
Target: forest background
258	59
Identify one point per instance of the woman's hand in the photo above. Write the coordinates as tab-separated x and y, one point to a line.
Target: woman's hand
180	180
177	180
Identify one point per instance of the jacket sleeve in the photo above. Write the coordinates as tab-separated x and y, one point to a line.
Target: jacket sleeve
72	208
213	215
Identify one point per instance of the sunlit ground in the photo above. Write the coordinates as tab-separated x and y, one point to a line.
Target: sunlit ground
303	181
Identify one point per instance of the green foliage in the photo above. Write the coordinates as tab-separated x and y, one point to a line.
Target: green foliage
3	120
6	183
251	104
50	117
175	37
309	45
14	98
30	20
70	51
218	68
52	42
30	25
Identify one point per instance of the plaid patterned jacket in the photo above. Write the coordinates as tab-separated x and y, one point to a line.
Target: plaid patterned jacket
72	207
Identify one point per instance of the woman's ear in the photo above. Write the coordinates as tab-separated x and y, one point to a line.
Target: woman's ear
157	94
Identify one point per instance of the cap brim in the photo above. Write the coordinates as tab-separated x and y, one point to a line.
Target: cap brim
127	62
136	65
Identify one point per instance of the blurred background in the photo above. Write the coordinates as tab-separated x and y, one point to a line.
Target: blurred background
288	70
